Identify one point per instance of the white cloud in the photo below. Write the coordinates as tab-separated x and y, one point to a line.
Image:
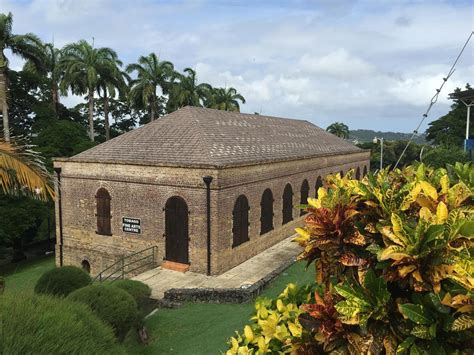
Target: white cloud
371	64
338	63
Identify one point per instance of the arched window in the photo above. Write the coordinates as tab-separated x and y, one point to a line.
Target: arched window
86	266
304	195
358	173
266	208
102	199
287	204
319	183
240	221
365	170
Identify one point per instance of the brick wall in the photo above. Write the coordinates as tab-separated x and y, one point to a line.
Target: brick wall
142	191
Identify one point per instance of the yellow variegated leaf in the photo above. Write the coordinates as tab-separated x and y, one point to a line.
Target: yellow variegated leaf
262	345
235	345
244	350
444	182
429	190
314	202
371	203
248	333
394	252
441	213
466	309
396	238
396	223
457	194
405	270
347	320
303	235
280	306
426	214
281	333
295	330
322	192
417	276
411	197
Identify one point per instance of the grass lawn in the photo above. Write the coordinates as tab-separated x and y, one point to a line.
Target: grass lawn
204	328
22	277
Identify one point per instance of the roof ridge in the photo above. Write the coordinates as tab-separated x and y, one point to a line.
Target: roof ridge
250	114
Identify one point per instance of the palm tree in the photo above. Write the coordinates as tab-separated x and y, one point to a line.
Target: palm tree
111	81
83	66
27	46
22	170
187	91
225	99
339	129
151	75
50	59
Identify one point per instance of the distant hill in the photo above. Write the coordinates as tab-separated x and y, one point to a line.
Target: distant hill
367	135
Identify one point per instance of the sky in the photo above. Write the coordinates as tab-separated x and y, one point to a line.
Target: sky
372	64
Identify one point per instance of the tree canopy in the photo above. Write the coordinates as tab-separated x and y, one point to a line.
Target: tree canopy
450	129
339	129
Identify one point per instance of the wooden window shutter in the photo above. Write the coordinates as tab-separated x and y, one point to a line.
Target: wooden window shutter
103	212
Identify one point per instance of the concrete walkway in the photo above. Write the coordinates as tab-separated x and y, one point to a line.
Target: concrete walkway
242	275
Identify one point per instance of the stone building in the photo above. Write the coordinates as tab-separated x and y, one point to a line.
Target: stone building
209	189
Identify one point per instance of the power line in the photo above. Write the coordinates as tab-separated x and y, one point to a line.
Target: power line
434	99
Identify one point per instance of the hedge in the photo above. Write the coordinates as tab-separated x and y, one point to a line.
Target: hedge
111	304
41	324
62	281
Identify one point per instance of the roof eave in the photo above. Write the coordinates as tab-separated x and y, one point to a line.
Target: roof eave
208	166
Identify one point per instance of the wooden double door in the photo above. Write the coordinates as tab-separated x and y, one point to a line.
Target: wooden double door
176	230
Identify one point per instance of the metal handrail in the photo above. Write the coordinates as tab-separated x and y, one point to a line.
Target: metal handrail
122	265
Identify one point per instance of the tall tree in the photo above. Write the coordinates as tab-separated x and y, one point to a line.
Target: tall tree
226	99
187	92
450	129
27	46
50	59
111	82
151	75
339	129
83	65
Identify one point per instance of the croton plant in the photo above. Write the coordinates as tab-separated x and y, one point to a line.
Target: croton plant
394	269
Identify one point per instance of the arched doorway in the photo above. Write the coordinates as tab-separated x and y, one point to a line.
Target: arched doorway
86	266
176	230
358	173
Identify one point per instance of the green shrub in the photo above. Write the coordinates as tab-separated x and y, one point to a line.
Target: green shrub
2	284
141	294
41	324
112	304
62	281
138	290
393	258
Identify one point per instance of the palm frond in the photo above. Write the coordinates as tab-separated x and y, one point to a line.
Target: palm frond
22	171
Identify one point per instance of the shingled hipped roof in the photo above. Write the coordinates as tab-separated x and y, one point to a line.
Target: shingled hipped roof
201	137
